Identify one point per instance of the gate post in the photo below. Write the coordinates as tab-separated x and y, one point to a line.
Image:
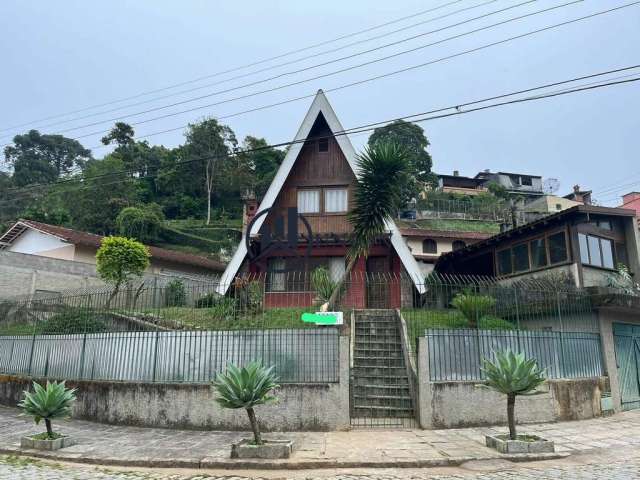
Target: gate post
609	357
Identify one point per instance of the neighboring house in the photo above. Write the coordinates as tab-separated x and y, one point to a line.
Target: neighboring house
428	245
549	204
632	201
463	185
584	243
51	241
302	223
580	196
528	186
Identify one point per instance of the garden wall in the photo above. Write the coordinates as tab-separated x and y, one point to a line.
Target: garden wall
455	404
301	406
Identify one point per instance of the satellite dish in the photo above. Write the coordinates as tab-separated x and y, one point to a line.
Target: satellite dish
550	186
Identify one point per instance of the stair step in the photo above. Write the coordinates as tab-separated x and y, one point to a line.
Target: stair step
381	380
395	398
382	412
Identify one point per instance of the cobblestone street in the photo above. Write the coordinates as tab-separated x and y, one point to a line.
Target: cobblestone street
620	465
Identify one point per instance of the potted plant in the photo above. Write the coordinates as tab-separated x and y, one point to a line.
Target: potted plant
512	374
47	403
246	388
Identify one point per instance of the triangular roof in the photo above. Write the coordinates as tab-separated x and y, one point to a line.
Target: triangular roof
320	105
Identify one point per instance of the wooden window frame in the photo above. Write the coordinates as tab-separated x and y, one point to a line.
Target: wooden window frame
322	140
322	189
614	254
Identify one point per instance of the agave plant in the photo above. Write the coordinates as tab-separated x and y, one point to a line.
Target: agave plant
473	307
245	388
512	374
322	284
47	403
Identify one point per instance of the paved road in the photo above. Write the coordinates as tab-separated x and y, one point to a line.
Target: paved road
624	466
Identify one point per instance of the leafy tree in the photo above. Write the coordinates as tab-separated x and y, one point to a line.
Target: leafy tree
412	138
208	143
121	134
175	294
143	223
378	194
512	374
263	163
48	403
246	388
120	259
37	158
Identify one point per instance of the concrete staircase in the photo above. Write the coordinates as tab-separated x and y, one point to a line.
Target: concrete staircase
380	383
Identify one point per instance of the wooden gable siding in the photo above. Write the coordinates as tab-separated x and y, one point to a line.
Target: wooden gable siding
314	169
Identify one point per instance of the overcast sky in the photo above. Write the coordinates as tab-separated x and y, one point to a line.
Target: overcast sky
66	55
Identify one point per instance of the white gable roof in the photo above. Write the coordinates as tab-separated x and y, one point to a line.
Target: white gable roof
319	105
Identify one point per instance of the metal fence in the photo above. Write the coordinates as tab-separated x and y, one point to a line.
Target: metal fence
457	355
473	209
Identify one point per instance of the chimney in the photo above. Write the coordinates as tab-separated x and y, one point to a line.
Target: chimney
456	173
249	209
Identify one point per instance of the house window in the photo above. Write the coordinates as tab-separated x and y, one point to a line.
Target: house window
621	254
539	253
526	181
596	251
308	201
323	145
276	274
558	207
521	258
557	248
458	245
504	262
429	246
335	200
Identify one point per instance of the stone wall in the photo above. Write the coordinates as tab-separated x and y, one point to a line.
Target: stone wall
464	404
323	406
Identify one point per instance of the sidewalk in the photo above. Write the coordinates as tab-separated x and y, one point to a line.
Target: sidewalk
371	448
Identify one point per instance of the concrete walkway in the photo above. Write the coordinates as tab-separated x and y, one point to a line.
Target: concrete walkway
147	447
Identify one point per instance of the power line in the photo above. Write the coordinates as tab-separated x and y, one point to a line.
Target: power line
347	85
248	65
318	65
359	82
271	67
422	117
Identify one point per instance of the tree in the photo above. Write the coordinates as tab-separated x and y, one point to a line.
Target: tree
381	168
412	138
53	401
121	134
143	223
263	162
37	158
246	388
210	143
512	374
120	259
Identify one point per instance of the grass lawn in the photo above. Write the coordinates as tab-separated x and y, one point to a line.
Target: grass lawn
17	329
218	319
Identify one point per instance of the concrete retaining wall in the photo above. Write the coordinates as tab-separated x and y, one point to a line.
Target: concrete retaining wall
464	404
191	406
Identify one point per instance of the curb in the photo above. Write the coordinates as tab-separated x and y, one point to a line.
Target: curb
214	464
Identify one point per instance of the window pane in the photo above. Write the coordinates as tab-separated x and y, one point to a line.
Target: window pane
504	262
520	258
607	253
323	145
336	268
308	201
539	253
621	254
335	200
584	248
277	276
429	246
557	248
594	251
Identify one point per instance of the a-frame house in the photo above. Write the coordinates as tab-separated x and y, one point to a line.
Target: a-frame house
301	223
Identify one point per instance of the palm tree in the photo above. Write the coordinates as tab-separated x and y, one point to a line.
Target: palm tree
380	170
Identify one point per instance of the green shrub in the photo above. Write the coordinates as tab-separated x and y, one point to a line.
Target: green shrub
322	284
48	403
473	307
489	322
246	388
175	294
74	320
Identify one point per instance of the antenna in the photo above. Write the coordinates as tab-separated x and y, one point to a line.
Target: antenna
550	186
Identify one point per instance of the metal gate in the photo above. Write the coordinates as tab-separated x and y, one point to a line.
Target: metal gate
627	347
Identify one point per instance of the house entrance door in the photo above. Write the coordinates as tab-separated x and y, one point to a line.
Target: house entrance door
626	338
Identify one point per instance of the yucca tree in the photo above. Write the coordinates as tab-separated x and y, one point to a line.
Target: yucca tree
48	403
245	388
512	374
380	171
